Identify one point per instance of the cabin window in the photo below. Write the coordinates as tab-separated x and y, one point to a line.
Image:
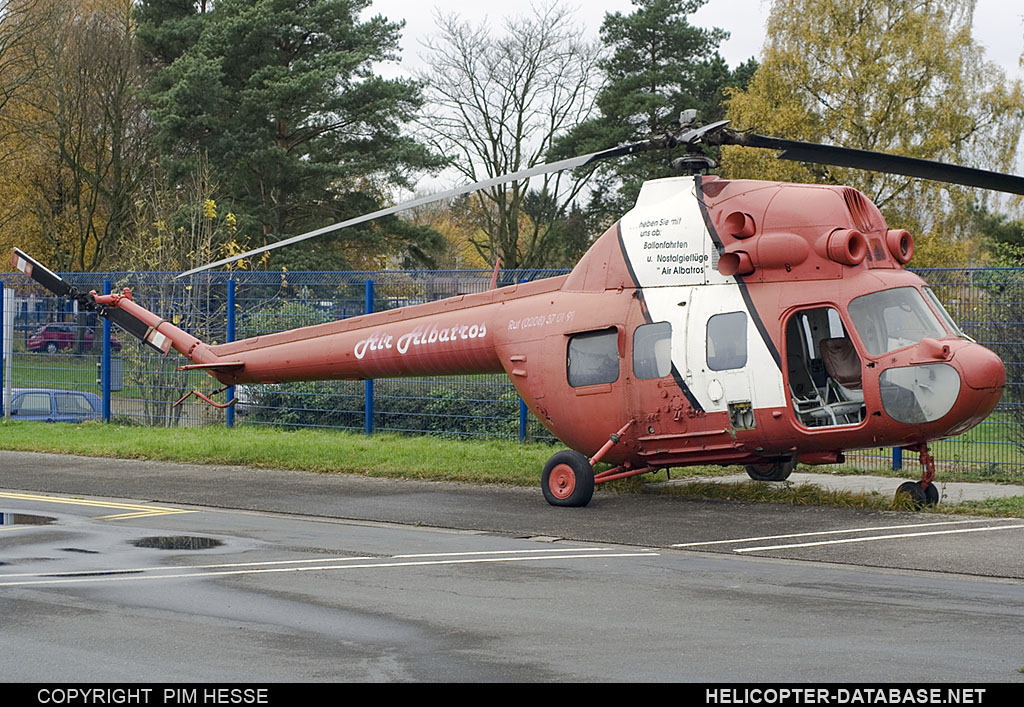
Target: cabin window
652	350
727	341
593	358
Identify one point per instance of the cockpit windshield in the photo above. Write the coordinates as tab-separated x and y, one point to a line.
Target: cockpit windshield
892	319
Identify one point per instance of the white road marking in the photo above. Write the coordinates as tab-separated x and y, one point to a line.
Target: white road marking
121	577
837	532
309	561
876	537
169	568
502	552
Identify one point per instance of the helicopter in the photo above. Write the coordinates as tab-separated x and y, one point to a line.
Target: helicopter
718	322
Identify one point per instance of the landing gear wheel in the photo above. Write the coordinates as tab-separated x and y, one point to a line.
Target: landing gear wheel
776	471
568	479
920	496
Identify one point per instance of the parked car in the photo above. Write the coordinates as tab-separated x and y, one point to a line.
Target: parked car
54	337
53	405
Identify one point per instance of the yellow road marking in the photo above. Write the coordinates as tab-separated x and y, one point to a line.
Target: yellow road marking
133	510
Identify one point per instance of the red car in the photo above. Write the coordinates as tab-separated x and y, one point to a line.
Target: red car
54	337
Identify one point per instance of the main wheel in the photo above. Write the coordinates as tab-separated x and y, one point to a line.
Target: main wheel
51	348
568	479
776	471
921	497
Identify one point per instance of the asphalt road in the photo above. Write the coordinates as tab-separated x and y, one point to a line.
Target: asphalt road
343	578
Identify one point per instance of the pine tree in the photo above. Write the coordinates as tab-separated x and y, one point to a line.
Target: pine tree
659	65
281	99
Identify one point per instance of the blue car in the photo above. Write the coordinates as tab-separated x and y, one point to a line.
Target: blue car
52	405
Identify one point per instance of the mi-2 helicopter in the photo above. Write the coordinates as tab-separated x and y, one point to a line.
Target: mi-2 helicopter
718	322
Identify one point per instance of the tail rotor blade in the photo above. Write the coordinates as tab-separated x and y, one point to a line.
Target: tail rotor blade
41	274
127	321
60	287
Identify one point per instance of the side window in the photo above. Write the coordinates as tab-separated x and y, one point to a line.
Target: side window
593	358
73	404
652	350
727	341
32	404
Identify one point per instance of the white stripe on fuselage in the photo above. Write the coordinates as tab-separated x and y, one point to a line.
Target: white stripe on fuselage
672	255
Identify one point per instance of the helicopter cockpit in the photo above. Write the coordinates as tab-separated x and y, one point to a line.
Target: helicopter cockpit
897	318
825	370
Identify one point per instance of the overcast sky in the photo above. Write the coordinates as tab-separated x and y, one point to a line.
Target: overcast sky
998	24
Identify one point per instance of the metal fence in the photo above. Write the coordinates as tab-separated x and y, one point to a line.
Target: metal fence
139	387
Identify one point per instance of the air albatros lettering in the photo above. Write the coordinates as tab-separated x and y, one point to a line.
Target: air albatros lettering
423	334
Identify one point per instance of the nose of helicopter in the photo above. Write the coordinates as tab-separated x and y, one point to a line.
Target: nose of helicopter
949	392
980	368
984	376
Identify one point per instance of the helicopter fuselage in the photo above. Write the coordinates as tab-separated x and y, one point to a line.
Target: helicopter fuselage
718	322
721	322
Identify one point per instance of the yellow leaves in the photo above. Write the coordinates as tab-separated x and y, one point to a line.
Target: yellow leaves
209	209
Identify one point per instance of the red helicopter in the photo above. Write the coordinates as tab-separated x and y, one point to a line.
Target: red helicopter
719	321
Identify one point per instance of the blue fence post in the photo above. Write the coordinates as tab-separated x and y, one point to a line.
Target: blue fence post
897	458
229	337
523	410
3	363
368	412
105	368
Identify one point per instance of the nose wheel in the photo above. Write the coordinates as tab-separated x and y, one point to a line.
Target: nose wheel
923	492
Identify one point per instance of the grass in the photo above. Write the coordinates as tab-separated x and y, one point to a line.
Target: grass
61	370
425	458
322	451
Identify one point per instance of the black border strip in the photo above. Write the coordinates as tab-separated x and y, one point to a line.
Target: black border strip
694	403
754	314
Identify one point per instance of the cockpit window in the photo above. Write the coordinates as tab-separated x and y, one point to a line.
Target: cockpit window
943	314
892	319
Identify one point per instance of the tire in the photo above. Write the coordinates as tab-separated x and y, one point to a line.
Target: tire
568	480
52	348
917	494
774	471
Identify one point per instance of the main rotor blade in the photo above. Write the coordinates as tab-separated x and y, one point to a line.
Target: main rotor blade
877	162
570	163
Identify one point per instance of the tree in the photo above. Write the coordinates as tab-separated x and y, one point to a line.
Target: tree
658	65
281	99
900	76
19	22
498	103
77	132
